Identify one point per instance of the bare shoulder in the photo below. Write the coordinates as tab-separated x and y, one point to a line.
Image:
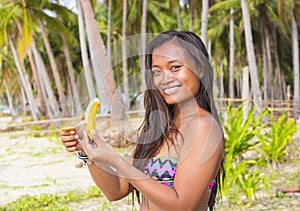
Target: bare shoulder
201	124
202	135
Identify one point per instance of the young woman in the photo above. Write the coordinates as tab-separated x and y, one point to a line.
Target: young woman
177	162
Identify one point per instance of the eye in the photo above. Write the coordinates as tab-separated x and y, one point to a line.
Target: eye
156	72
175	67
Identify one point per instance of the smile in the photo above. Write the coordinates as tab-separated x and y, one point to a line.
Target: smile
171	90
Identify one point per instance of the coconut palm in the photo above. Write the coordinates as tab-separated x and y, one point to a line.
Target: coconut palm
251	56
231	55
295	53
107	86
6	79
124	56
204	21
84	54
25	82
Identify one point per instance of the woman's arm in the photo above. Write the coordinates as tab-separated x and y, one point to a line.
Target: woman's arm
113	186
194	171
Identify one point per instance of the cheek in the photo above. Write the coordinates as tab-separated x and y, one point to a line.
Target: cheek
193	84
156	82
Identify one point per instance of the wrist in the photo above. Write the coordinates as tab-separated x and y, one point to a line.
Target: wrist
117	161
83	157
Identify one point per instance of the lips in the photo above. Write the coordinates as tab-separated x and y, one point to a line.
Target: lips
171	90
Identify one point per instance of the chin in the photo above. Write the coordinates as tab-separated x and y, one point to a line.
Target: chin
170	101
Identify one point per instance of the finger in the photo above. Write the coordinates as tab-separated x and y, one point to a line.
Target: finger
79	130
67	130
71	143
71	149
69	138
67	133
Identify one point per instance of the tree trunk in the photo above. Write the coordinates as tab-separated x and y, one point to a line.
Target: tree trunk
9	99
221	81
84	54
74	89
270	65
25	84
179	16
124	57
231	55
45	82
61	95
251	57
191	16
204	21
266	54
96	48
245	92
265	65
109	31
99	58
143	43
279	90
296	70
38	84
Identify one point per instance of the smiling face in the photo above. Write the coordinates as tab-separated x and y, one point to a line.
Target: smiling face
172	75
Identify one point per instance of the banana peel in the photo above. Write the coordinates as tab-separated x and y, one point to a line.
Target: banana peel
88	118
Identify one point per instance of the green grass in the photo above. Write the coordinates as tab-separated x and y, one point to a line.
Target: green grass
51	201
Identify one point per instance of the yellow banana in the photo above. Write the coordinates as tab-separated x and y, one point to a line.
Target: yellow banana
90	116
88	119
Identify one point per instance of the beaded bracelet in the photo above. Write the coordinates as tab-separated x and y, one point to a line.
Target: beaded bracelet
84	158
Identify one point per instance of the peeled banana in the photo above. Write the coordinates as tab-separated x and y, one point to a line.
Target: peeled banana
90	116
88	119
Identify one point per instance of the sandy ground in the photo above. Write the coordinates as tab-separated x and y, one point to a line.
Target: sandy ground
36	165
31	165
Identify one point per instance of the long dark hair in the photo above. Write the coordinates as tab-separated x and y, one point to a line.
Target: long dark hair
158	127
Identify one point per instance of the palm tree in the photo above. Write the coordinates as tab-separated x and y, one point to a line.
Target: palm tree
231	56
99	59
108	46
251	56
54	68
96	45
47	89
124	56
25	83
84	54
6	79
295	53
75	93
143	42
179	16
204	22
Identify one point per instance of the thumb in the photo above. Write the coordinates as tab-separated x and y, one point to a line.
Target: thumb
83	143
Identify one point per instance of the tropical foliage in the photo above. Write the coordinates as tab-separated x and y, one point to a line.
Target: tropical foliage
250	149
48	64
57	55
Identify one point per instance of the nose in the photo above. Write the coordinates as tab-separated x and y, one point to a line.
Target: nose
167	78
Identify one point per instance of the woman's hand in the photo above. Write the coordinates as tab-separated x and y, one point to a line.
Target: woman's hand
69	136
97	150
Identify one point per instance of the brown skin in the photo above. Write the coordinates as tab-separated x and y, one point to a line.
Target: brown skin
199	155
295	189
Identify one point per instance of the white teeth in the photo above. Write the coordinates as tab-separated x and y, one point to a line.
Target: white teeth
171	90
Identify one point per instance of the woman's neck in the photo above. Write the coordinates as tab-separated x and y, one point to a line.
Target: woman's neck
184	110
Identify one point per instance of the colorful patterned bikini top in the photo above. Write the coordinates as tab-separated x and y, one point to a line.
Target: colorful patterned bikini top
163	170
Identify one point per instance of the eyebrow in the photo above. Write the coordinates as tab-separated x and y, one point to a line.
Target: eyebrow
169	62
